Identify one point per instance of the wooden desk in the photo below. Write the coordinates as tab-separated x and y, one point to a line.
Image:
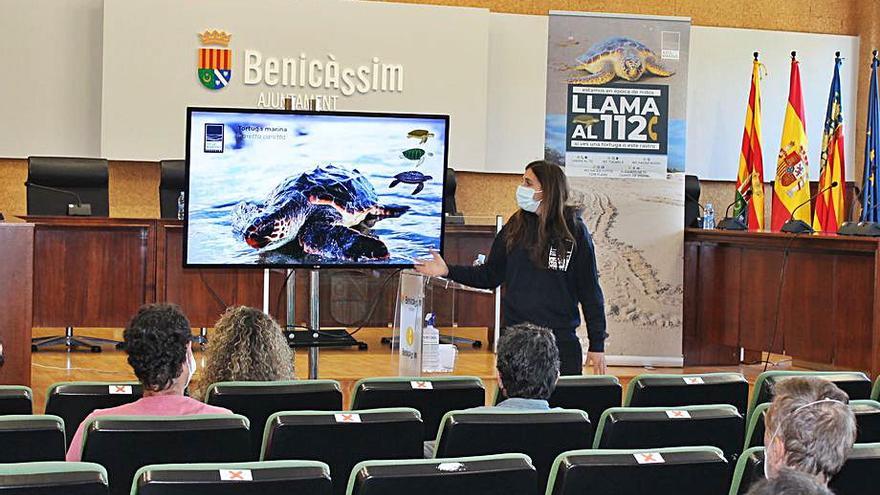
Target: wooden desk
16	301
829	305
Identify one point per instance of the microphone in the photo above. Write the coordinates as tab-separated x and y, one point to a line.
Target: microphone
731	223
861	229
79	209
793	226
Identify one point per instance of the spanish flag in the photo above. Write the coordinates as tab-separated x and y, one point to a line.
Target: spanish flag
792	185
829	204
750	179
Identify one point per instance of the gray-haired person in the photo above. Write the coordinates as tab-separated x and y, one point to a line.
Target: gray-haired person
790	482
808	428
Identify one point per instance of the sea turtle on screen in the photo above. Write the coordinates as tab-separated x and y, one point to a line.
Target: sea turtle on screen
411	177
320	212
625	58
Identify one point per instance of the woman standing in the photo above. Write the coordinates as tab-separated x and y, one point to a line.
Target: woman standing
545	261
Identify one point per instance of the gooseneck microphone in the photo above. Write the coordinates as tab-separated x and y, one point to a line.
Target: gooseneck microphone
793	226
731	223
79	209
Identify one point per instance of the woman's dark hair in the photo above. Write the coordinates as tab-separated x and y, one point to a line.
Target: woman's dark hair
538	232
528	361
155	341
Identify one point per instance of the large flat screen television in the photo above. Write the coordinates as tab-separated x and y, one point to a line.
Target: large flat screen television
269	188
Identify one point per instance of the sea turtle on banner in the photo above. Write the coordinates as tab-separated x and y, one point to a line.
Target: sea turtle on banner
625	58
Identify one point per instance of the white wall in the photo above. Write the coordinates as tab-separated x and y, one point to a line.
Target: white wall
50	87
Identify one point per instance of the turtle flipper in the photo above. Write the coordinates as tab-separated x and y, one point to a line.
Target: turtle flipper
419	188
603	76
424	139
389	211
654	67
394	183
321	236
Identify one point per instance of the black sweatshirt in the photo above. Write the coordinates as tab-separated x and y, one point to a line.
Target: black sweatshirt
543	296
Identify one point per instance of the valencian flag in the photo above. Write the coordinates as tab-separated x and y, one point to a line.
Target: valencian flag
829	204
750	179
792	185
870	187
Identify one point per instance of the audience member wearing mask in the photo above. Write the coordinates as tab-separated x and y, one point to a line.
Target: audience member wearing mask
159	348
790	482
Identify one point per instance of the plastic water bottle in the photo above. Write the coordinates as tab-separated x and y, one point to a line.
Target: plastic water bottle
709	217
430	345
181	206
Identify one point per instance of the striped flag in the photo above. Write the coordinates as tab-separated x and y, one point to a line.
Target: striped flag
870	187
830	204
750	178
792	185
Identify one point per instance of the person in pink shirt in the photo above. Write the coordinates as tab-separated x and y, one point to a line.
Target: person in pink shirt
159	347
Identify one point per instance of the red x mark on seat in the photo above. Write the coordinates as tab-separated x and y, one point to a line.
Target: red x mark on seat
236	475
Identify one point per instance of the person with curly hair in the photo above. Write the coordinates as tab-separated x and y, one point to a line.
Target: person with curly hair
159	347
247	345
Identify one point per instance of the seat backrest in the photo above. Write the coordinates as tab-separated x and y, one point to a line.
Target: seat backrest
592	394
259	400
242	478
856	384
73	401
124	444
541	435
343	438
748	471
860	471
510	474
688	390
28	438
432	397
172	181
867	413
87	177
53	478
719	426
671	471
16	399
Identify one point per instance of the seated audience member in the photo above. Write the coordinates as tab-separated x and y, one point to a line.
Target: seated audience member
808	428
247	345
528	367
159	348
790	482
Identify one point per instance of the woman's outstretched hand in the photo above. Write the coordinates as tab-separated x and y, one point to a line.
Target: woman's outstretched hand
434	267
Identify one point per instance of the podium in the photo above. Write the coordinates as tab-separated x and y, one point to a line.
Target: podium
417	296
16	301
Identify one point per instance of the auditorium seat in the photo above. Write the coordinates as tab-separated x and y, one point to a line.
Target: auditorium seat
508	474
73	401
431	396
259	400
344	438
592	394
53	478
653	390
720	426
28	438
243	478
748	471
124	444
541	435
668	471
856	384
16	399
867	414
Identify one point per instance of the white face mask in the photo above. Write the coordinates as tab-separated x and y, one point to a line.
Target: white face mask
191	361
525	198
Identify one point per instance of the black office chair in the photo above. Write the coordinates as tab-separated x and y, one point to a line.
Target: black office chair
53	478
73	401
344	438
670	471
719	426
259	400
541	435
84	179
431	396
31	438
867	413
124	444
508	474
692	216
688	390
172	182
453	216
592	394
856	384
244	478
16	399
